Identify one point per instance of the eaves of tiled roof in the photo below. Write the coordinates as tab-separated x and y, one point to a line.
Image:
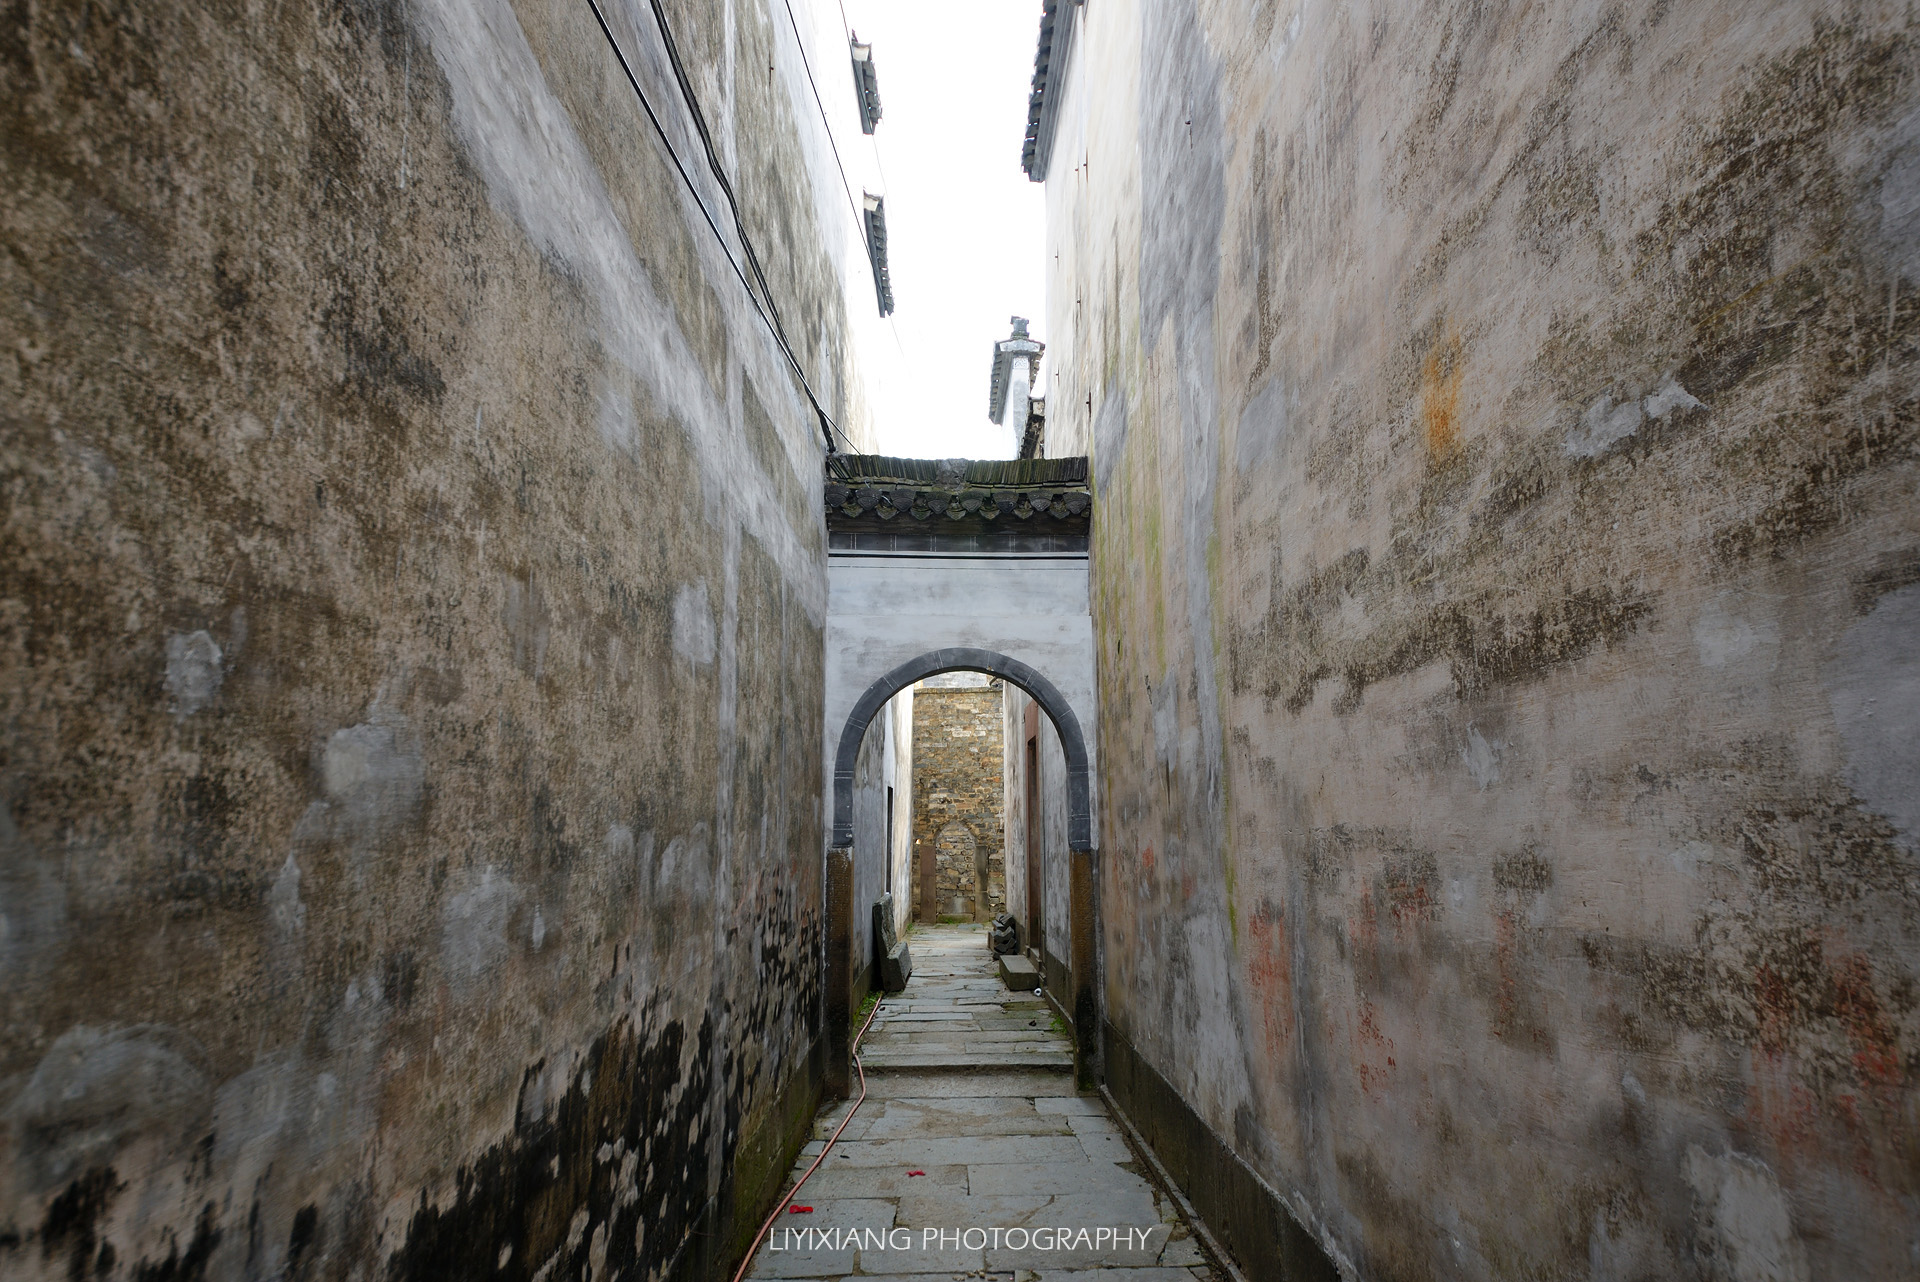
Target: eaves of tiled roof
868	486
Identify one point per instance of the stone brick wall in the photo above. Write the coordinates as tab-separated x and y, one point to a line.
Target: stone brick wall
958	803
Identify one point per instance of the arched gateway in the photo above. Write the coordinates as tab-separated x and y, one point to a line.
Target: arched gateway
970	659
942	564
937	565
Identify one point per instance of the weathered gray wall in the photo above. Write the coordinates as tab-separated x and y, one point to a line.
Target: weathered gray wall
1055	872
1507	584
885	761
411	599
1013	785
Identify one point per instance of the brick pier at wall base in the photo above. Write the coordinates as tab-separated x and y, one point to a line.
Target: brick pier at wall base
972	1122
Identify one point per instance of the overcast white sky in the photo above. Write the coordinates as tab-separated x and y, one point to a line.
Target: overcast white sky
965	229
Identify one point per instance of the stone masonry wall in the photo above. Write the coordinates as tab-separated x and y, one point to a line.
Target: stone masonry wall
959	801
411	600
1506	425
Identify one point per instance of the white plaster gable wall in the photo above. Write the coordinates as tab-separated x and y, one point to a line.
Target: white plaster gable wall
885	611
538	171
1013	705
1051	836
1013	418
886	761
900	714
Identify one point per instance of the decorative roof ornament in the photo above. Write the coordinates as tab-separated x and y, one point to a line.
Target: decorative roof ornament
1004	353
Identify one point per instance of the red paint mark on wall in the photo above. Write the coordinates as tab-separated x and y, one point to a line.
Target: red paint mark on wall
1876	1051
1363	929
1373	1051
1270	973
1411	903
1795	1098
1784	1110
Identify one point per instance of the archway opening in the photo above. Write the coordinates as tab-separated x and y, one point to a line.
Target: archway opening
1071	983
957	839
1043	692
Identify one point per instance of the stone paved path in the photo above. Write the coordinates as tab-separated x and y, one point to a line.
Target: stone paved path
973	1086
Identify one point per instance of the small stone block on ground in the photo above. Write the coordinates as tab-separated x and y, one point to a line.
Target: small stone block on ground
1018	973
896	967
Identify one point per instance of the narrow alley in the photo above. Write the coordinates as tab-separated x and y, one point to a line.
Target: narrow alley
972	1128
559	556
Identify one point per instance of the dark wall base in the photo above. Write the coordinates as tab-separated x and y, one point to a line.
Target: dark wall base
863	985
760	1167
1057	978
1255	1227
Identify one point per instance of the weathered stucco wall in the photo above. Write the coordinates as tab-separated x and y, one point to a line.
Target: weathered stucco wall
1507	570
885	765
411	599
1055	872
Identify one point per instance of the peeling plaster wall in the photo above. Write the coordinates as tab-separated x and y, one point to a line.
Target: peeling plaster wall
411	600
1504	421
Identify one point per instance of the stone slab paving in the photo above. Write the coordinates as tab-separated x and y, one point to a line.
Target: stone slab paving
974	1156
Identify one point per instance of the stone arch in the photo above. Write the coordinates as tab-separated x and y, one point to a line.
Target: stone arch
967	659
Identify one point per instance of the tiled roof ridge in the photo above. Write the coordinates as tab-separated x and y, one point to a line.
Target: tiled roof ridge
875	485
958	474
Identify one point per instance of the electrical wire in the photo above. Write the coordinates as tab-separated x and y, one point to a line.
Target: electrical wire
827	426
713	155
846	29
800	42
819	1157
720	173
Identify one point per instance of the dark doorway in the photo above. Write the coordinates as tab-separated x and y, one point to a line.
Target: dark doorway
889	854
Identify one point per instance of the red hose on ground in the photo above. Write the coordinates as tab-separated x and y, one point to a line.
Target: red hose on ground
788	1196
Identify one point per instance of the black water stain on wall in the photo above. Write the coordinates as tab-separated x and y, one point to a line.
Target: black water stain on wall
73	1227
302	1238
189	1265
72	1222
618	1169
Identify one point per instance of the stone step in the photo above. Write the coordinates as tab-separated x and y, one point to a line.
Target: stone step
961	1062
969	1036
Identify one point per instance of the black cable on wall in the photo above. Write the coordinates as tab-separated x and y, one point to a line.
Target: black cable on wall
827	426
